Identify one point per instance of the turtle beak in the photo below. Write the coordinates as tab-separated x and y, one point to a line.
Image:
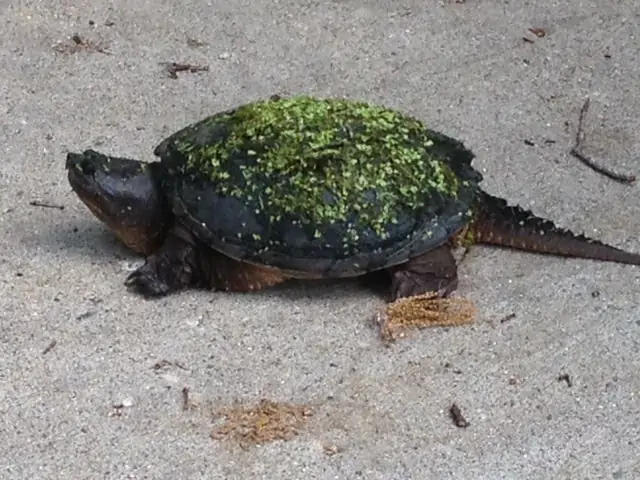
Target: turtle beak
81	169
73	159
83	163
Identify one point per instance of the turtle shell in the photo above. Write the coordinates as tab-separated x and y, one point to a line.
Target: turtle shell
318	187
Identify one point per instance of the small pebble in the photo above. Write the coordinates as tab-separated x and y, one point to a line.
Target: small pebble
130	266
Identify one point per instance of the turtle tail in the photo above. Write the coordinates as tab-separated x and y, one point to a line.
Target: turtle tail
498	223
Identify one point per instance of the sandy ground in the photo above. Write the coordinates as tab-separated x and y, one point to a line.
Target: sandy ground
91	376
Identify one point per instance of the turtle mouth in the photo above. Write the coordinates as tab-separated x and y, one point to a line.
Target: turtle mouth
83	183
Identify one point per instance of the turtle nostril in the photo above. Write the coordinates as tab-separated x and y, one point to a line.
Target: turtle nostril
87	167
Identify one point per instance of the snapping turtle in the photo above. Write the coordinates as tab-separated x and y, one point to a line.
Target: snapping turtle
304	187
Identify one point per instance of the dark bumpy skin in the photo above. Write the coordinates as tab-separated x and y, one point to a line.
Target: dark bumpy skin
308	188
124	194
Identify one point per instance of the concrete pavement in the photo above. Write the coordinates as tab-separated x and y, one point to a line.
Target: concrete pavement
94	405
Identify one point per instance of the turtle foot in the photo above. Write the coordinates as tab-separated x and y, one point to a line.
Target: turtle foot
171	268
146	281
435	271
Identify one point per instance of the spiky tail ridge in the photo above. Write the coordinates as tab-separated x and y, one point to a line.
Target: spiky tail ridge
498	223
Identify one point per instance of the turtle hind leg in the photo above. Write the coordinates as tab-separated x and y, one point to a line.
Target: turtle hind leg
434	271
172	267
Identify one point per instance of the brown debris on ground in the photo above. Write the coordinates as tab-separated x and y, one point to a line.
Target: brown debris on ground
457	417
173	68
266	422
79	44
537	31
422	311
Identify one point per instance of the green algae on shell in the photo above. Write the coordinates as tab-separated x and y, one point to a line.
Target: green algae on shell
327	157
318	187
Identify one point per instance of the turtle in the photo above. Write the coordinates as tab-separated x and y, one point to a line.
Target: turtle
305	187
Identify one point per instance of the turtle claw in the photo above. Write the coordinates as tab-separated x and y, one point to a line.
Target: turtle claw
146	281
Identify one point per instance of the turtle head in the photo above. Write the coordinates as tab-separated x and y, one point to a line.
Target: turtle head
124	194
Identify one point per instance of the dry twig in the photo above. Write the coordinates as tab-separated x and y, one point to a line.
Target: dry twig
172	68
78	44
49	347
457	417
186	404
576	152
38	203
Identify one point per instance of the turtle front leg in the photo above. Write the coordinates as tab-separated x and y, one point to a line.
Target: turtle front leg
184	262
434	271
173	267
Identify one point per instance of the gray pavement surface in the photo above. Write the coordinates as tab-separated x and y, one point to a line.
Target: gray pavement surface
465	69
